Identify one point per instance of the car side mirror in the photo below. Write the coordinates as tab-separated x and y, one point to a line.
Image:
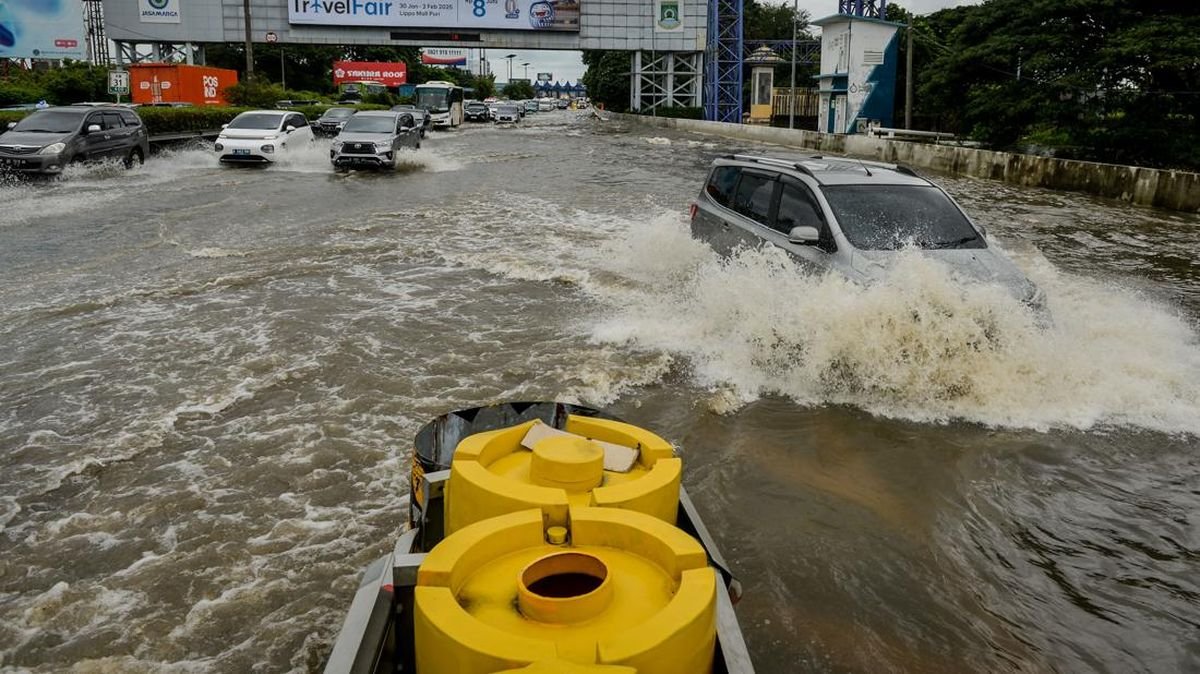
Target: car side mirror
224	126
804	236
405	129
290	128
11	124
93	128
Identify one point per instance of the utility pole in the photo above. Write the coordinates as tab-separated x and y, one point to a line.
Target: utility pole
792	96
249	41
282	71
908	80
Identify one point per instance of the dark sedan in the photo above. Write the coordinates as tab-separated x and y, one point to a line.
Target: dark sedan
331	121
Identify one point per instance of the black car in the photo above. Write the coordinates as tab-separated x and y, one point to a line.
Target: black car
47	141
418	113
332	120
477	111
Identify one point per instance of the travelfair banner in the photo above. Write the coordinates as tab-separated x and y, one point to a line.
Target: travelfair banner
42	29
562	15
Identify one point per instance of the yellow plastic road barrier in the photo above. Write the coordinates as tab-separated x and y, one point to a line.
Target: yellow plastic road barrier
625	589
493	473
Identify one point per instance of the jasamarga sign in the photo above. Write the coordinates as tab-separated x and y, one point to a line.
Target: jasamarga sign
562	15
42	30
158	11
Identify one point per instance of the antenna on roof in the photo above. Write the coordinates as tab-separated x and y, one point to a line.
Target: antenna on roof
864	166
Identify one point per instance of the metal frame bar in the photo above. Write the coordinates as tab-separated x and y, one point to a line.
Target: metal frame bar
665	79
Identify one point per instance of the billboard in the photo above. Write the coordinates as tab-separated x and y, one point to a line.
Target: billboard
42	30
444	57
545	15
545	77
387	74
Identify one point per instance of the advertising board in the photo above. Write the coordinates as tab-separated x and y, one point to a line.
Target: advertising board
545	77
668	17
546	15
387	74
444	57
42	30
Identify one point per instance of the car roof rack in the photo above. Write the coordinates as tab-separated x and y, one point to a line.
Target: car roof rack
772	161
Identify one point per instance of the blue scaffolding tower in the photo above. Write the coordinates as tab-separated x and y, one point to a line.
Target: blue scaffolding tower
723	72
873	9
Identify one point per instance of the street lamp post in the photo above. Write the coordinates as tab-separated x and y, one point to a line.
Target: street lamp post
249	41
510	58
792	96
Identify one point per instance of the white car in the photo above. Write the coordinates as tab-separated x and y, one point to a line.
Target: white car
259	136
546	105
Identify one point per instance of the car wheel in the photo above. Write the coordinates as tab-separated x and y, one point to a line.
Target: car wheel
135	158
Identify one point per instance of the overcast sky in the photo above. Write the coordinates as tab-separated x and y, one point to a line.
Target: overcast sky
567	65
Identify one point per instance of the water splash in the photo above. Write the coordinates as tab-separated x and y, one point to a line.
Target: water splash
920	347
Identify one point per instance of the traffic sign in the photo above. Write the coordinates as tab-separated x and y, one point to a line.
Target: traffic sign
272	37
118	82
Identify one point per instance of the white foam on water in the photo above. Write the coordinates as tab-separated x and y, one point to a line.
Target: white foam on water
658	140
921	346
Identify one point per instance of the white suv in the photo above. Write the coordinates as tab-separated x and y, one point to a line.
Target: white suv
848	216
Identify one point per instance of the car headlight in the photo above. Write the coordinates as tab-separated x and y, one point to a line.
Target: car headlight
336	145
53	148
218	146
268	148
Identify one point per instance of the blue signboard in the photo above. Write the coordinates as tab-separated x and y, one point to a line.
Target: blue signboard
42	29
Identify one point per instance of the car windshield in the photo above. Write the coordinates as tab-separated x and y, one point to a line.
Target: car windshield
372	124
476	106
433	99
889	217
338	113
260	121
49	122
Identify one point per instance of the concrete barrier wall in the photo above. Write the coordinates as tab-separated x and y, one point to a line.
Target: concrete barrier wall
1177	190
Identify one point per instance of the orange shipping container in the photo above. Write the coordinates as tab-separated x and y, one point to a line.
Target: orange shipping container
179	83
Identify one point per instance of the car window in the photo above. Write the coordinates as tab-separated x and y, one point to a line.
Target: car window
721	184
406	121
111	120
297	121
797	208
753	196
889	217
259	121
131	118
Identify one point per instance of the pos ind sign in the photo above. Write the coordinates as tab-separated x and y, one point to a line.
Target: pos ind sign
387	74
561	15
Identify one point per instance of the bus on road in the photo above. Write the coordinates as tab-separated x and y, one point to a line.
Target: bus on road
443	100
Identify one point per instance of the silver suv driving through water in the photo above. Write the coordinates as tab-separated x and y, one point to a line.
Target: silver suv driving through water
849	216
373	139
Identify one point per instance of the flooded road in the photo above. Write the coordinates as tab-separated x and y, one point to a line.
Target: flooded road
209	380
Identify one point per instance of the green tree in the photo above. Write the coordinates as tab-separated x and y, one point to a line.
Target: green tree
485	87
519	90
607	78
1113	80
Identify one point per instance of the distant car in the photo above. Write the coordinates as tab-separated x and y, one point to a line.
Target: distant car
531	106
374	139
48	140
562	104
847	216
581	104
260	136
545	105
507	114
493	107
331	120
290	103
476	111
420	114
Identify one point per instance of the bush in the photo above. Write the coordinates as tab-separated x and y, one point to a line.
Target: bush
15	93
180	120
255	93
679	112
